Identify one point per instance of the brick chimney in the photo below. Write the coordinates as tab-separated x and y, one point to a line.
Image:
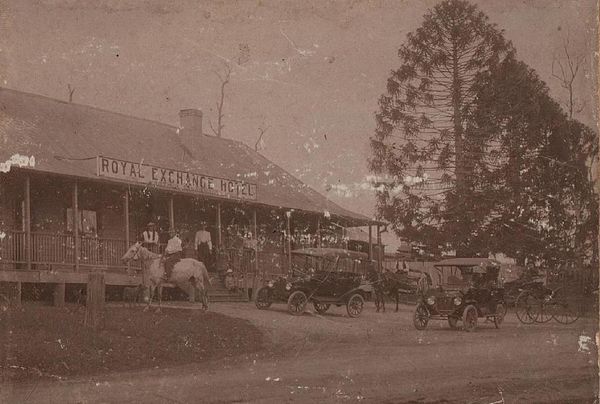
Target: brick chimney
190	125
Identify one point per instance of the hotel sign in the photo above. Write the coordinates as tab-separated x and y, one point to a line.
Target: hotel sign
168	178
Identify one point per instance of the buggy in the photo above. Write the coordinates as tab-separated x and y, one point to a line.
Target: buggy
322	276
468	289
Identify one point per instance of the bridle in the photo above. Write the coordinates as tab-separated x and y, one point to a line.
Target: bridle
136	254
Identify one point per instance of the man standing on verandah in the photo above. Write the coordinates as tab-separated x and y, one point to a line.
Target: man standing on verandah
150	237
203	244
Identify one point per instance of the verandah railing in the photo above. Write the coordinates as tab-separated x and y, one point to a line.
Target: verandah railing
59	249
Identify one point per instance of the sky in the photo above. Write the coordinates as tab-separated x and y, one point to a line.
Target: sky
308	72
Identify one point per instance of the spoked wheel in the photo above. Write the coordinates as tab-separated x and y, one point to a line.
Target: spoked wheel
453	322
421	317
524	308
297	303
565	312
565	308
470	318
544	310
321	307
500	312
263	299
355	305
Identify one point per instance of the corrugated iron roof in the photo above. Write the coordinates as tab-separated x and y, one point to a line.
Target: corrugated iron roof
66	138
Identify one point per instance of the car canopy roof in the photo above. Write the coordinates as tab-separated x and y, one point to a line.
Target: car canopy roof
331	253
468	262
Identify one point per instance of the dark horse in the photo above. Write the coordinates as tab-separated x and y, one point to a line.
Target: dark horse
394	284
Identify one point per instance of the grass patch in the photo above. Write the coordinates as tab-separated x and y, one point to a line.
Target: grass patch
52	342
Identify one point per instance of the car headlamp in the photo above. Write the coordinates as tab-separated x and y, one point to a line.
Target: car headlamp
431	300
288	286
270	284
457	301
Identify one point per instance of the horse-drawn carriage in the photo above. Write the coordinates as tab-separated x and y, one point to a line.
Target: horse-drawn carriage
467	289
321	276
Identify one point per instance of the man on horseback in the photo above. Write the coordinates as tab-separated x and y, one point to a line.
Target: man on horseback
173	253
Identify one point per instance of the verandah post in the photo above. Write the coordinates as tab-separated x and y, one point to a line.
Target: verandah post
76	223
379	250
171	214
219	236
288	239
126	214
370	242
255	244
27	219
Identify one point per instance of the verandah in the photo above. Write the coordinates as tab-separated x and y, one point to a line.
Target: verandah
54	222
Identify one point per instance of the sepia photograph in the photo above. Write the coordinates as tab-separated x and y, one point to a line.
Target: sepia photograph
299	201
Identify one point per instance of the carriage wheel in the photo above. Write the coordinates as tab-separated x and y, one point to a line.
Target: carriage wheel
470	318
524	308
297	303
544	311
321	307
263	299
421	317
565	308
499	317
453	322
355	305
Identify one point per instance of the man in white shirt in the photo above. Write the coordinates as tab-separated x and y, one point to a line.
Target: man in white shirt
150	237
173	253
203	245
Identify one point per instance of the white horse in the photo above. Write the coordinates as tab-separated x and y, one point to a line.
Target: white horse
188	274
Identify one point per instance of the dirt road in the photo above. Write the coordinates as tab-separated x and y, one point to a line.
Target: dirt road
375	358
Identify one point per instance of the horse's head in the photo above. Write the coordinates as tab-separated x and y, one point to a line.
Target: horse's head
133	253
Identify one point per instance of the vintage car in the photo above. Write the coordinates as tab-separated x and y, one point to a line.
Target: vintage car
322	276
467	289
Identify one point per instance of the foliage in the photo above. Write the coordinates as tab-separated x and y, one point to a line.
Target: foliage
474	155
421	140
541	200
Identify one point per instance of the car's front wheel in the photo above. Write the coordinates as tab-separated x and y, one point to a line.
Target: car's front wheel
297	303
421	317
263	298
470	318
355	305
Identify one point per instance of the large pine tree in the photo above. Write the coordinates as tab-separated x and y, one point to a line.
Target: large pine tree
475	156
422	143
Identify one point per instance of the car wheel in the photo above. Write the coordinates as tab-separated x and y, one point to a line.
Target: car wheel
470	318
453	322
321	307
421	317
297	303
263	299
355	305
499	317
